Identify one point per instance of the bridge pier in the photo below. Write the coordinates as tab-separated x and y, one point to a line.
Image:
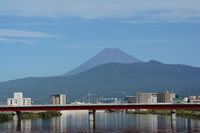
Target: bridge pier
173	120
19	115
173	114
91	118
19	118
92	115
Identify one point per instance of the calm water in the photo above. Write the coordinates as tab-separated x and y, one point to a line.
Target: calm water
105	122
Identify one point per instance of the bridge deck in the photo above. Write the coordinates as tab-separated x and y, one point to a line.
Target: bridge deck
99	107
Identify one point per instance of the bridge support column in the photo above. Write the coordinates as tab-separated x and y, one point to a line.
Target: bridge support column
92	115
91	118
173	114
19	118
19	115
173	120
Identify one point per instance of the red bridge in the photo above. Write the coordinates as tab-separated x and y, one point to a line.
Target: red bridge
167	106
93	107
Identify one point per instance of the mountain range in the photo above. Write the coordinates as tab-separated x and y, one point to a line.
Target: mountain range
110	79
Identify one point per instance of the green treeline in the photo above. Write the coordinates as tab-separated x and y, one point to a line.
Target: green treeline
5	117
44	115
195	114
30	115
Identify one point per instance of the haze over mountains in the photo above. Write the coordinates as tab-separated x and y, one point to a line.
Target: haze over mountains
107	55
109	74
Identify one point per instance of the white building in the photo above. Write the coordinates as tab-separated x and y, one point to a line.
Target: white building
152	98
19	100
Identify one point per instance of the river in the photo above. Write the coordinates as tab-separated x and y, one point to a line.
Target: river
115	122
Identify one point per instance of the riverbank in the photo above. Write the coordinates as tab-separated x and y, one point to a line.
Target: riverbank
5	117
30	115
44	115
194	114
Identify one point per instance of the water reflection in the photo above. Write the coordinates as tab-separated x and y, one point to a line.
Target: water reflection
58	123
23	126
147	123
73	121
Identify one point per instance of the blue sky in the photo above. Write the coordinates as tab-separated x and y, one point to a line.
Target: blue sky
51	37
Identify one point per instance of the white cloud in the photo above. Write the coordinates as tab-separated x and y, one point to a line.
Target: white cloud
151	10
22	33
7	40
17	36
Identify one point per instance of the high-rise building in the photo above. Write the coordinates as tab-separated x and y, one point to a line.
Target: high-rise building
142	97
58	99
165	97
146	97
19	100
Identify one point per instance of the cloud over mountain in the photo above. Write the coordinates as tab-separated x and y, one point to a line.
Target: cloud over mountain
22	33
154	10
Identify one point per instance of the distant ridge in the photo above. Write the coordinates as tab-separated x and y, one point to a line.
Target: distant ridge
110	80
108	55
116	74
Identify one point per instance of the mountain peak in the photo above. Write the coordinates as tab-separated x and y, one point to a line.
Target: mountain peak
114	55
111	50
107	55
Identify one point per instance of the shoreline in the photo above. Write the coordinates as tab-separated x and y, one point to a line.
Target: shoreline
192	114
4	117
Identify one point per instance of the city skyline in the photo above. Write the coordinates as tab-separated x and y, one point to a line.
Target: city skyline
55	37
